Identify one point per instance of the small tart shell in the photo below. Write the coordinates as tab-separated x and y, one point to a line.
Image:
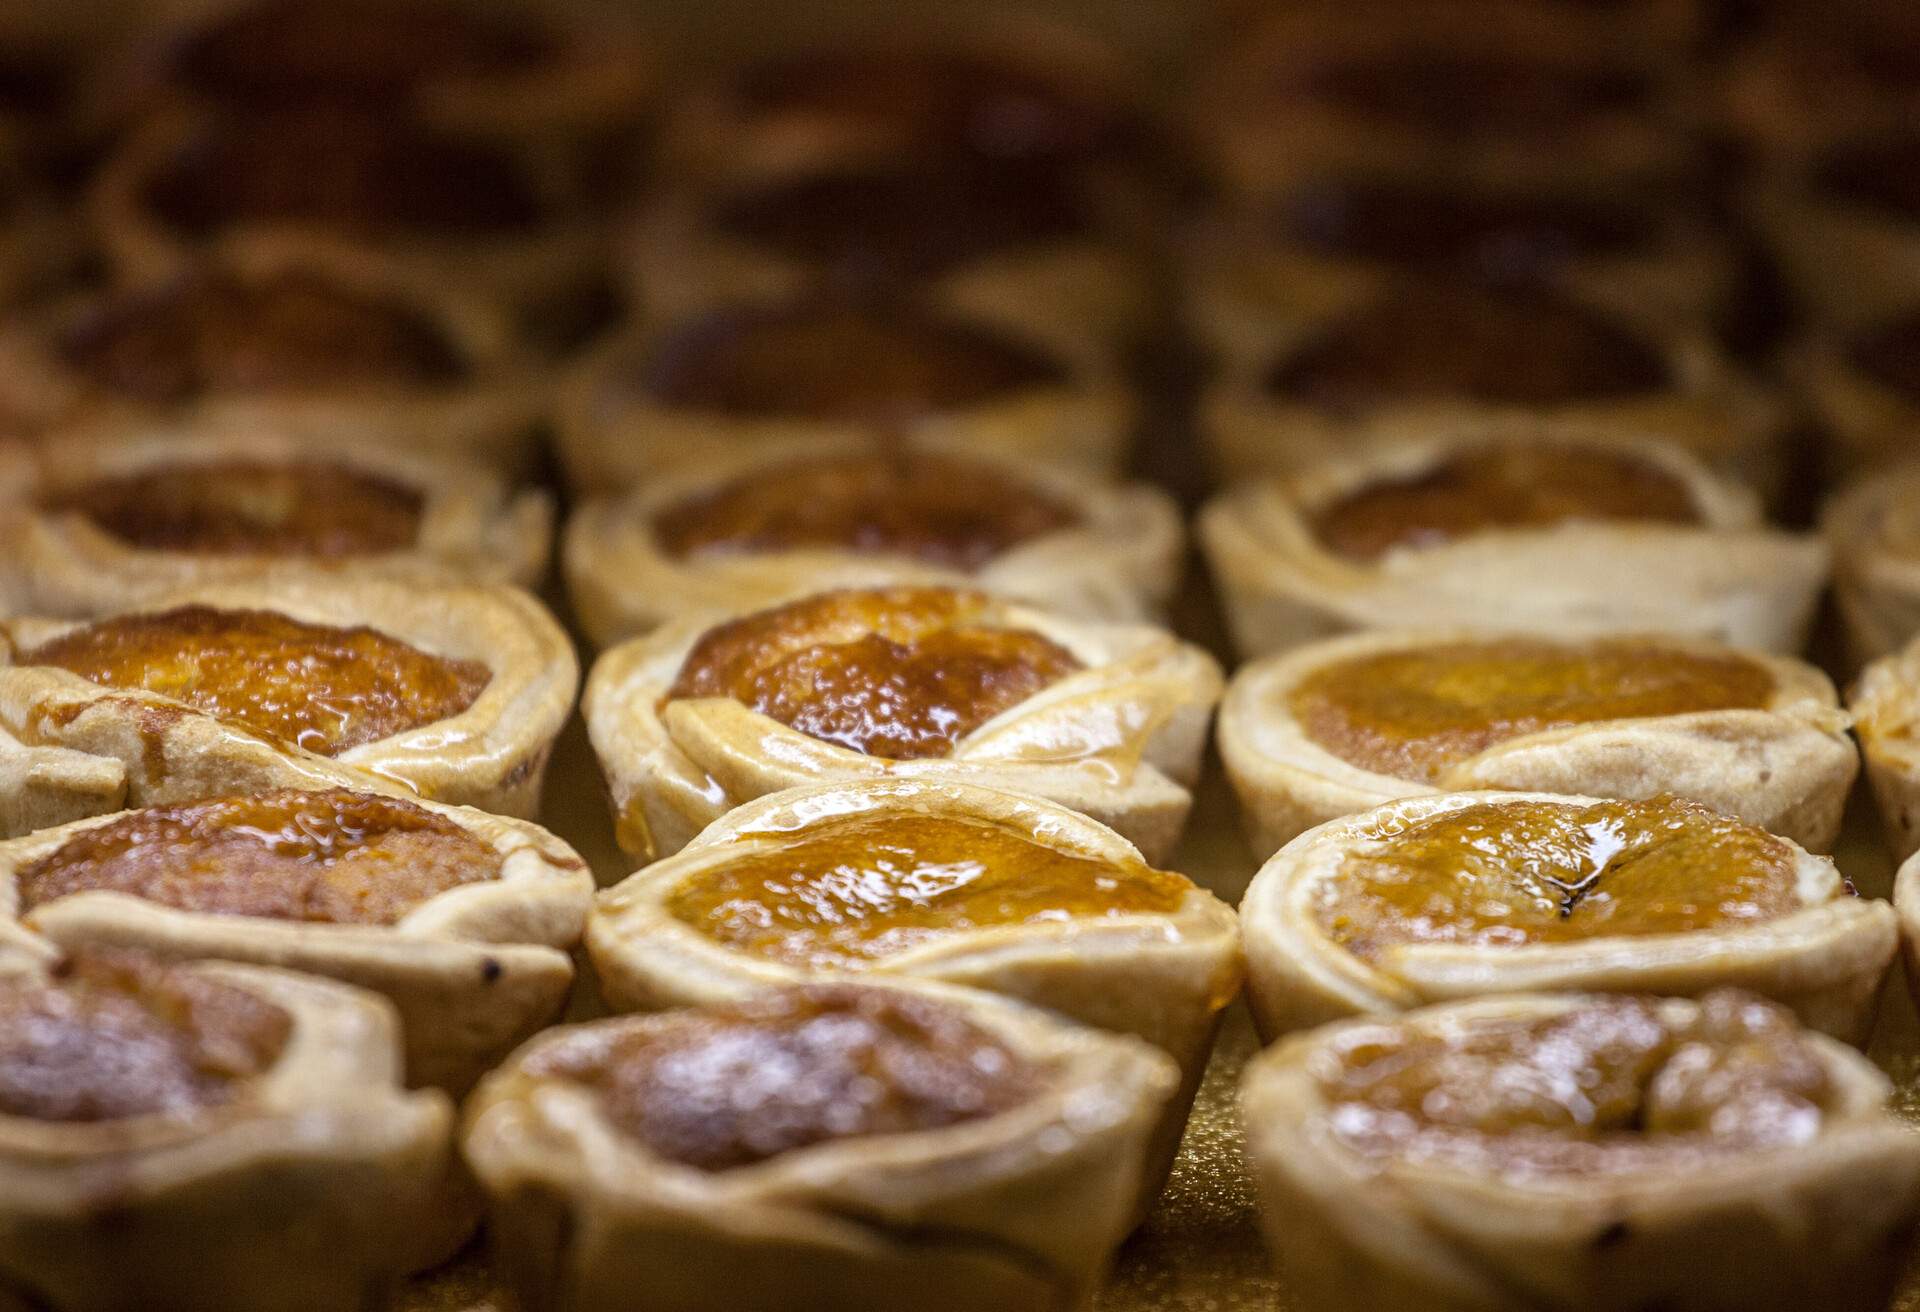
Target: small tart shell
492	756
1847	263
1017	1211
1730	578
304	1194
1826	960
1885	702
471	972
1785	767
1818	1226
1119	741
1876	585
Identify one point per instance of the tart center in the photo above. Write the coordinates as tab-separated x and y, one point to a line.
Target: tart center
248	507
1500	487
1513	874
858	890
333	857
1469	95
1890	354
956	513
313	686
113	1036
731	1087
901	673
1413	713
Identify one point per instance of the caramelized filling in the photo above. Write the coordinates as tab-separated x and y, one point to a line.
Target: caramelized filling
1890	355
732	1086
1515	345
1413	713
117	1035
1612	1084
901	673
333	857
1879	174
1500	487
862	363
312	686
211	332
856	890
957	513
1474	95
248	507
1509	874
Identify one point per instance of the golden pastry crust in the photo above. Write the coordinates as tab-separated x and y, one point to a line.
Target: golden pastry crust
492	754
1726	576
1782	762
1885	710
1876	560
1820	1223
1018	1209
1824	954
1118	739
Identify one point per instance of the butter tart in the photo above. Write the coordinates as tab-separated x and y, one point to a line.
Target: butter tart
462	920
1593	1152
819	1148
1843	226
1438	898
210	1136
1885	702
1863	385
1873	526
1556	530
450	692
757	531
1345	724
928	683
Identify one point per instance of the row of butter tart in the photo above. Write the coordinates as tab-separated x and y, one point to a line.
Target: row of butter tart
214	1137
1440	898
903	683
751	531
451	692
1885	702
1873	526
1592	1153
755	376
1863	385
462	920
1346	724
823	1149
1554	529
112	515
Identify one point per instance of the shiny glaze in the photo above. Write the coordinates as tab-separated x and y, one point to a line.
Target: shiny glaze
118	1035
727	1087
901	673
1880	174
313	686
1889	354
939	509
1413	713
1470	94
1500	487
332	857
853	891
1510	874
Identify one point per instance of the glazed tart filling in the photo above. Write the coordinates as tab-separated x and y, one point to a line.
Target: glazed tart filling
1413	713
958	513
1512	874
1881	174
854	891
1890	354
313	686
314	508
901	673
1521	346
1472	95
117	1035
880	364
1500	487
209	332
1611	1085
729	1087
331	857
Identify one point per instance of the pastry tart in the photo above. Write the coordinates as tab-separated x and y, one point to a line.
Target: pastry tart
209	1136
450	692
1444	897
756	531
100	521
1345	724
817	1150
1844	226
1561	530
1874	529
1885	702
768	376
1581	1152
1863	385
909	683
